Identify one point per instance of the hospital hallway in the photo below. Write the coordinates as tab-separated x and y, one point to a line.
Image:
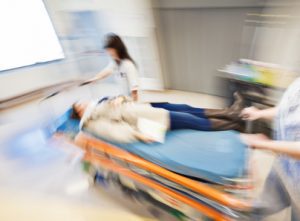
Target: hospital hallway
149	110
42	179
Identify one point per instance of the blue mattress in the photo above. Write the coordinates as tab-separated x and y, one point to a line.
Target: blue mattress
212	156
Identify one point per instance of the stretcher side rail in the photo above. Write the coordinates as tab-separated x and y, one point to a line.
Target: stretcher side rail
88	142
209	212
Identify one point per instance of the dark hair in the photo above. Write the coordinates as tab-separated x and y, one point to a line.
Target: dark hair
74	113
115	42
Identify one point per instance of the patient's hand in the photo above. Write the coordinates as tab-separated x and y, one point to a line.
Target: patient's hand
117	102
144	138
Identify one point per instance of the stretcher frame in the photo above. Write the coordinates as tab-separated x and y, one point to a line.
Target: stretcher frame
109	153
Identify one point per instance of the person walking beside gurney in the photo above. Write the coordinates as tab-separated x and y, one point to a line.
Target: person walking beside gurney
282	188
122	67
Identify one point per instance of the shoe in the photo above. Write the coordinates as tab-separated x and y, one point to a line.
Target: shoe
222	124
231	113
236	108
239	102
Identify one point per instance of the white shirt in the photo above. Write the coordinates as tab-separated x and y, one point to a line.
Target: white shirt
126	76
288	129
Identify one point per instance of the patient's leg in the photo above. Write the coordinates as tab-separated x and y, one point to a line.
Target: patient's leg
225	114
223	124
179	120
183	108
230	113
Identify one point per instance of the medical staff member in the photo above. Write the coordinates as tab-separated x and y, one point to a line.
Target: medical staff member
282	188
122	67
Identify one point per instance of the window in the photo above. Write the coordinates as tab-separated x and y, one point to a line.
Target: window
27	35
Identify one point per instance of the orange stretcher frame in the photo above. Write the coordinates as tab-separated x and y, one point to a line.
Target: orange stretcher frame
207	211
87	142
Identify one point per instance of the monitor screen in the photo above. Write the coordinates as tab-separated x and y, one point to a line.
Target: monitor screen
27	34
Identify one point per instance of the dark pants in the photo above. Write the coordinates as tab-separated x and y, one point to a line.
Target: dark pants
183	116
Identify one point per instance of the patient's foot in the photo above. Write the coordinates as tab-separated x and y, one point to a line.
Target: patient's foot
236	108
231	113
220	124
239	102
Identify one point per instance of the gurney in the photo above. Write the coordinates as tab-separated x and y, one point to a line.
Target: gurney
194	174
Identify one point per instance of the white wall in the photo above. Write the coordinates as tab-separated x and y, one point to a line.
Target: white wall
27	78
198	42
179	4
278	39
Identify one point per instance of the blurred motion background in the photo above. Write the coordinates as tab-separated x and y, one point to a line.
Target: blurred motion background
187	51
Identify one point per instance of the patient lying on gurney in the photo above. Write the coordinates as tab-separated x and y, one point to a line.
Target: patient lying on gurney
121	120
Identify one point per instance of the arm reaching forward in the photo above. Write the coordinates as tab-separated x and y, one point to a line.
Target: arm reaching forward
261	142
252	113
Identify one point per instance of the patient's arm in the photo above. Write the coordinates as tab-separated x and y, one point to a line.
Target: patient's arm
112	130
118	131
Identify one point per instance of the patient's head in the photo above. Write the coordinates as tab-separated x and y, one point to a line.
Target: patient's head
79	108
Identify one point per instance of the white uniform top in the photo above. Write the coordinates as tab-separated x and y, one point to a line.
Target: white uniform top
125	74
288	129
